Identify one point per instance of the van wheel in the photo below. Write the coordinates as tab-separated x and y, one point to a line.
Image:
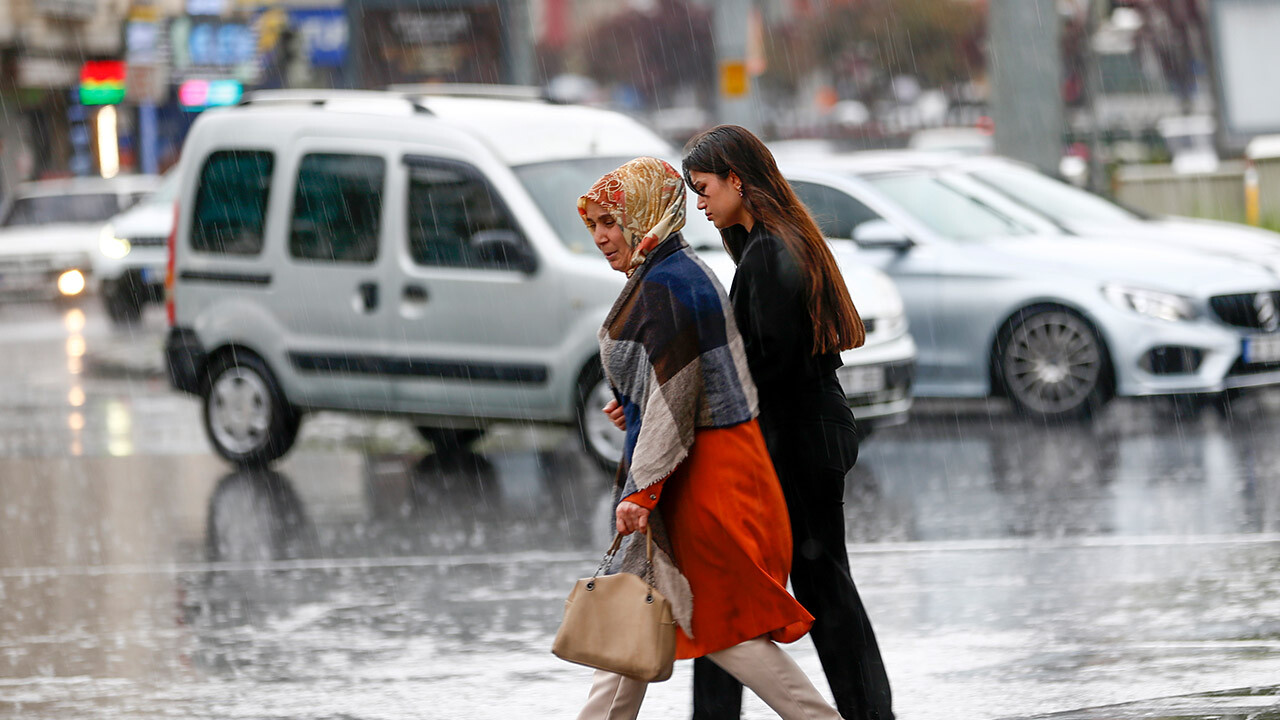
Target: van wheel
1053	365
448	441
600	438
246	416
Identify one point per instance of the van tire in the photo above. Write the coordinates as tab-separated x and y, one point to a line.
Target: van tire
589	399
247	418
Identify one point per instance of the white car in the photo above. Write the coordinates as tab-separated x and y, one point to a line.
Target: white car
129	258
51	229
421	256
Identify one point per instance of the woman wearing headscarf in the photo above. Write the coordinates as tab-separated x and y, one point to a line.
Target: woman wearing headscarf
695	470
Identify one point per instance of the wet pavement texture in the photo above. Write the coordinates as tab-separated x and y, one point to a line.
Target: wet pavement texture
1011	569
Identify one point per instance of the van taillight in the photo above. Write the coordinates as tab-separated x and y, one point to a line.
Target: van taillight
168	273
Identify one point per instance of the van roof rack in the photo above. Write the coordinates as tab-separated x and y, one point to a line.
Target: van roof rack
325	98
530	93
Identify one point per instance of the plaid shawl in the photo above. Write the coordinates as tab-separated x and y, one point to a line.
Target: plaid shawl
672	353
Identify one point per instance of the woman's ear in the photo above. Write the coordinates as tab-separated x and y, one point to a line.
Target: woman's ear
736	182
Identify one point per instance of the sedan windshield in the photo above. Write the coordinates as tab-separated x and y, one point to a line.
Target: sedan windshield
84	208
1058	201
555	186
944	208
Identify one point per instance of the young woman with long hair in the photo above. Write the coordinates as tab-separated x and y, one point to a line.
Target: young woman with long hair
796	317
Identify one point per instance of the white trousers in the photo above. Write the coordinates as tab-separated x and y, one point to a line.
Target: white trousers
759	664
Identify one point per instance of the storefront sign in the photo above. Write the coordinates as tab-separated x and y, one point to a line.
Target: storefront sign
207	7
217	44
142	43
324	34
196	95
102	82
79	9
419	45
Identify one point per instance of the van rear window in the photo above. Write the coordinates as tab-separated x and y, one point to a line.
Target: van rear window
231	202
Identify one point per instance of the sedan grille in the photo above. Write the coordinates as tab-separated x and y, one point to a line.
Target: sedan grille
1256	311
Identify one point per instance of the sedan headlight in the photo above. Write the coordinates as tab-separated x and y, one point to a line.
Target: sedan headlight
1152	303
112	246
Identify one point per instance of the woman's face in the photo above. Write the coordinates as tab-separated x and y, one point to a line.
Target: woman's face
607	234
718	198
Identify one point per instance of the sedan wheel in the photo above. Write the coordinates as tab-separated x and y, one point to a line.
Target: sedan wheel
1053	366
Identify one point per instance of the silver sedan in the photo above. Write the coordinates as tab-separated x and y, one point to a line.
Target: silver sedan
1058	323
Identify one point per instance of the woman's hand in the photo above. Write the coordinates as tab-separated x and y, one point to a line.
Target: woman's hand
616	416
632	518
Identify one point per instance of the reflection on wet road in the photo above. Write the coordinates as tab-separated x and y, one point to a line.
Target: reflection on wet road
1010	568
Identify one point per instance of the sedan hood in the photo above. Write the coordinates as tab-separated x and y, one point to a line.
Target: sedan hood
1230	240
56	239
1146	263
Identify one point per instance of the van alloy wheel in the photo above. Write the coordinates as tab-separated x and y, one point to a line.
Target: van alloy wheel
246	416
1054	366
240	410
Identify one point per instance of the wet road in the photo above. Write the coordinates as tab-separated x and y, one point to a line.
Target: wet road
1010	569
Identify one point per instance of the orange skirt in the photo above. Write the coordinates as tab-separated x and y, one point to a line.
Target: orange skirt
727	519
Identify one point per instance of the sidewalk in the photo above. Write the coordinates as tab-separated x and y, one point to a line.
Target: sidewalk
1261	703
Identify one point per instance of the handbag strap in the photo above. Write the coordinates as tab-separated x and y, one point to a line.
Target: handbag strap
617	544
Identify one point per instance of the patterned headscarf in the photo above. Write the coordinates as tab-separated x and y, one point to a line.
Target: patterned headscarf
646	196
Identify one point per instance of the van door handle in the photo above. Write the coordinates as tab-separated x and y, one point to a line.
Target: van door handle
415	293
369	295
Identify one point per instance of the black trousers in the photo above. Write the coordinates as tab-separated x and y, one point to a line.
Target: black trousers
812	462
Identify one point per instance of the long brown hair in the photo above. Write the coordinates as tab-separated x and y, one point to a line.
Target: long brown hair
768	197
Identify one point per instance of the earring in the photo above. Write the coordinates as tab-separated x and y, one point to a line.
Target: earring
739	192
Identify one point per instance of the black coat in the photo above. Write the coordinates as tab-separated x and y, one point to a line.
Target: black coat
803	411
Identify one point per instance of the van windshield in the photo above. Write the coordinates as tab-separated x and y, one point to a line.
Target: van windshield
555	186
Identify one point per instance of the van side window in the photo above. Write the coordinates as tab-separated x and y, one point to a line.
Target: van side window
456	219
836	212
337	208
231	202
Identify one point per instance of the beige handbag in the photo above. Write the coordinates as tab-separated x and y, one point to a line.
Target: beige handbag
619	623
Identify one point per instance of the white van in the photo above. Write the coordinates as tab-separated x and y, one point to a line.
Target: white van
419	256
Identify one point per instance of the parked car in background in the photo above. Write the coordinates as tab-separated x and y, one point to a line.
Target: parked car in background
51	228
957	140
419	256
129	257
1079	212
1058	323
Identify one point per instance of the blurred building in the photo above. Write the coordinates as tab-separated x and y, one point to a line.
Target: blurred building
43	44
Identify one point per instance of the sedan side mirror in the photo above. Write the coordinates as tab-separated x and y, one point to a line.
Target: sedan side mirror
503	249
881	235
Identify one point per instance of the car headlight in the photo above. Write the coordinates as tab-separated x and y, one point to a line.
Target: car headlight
112	246
1152	303
891	326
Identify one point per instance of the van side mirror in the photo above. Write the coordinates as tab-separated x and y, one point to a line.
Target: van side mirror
503	249
881	235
